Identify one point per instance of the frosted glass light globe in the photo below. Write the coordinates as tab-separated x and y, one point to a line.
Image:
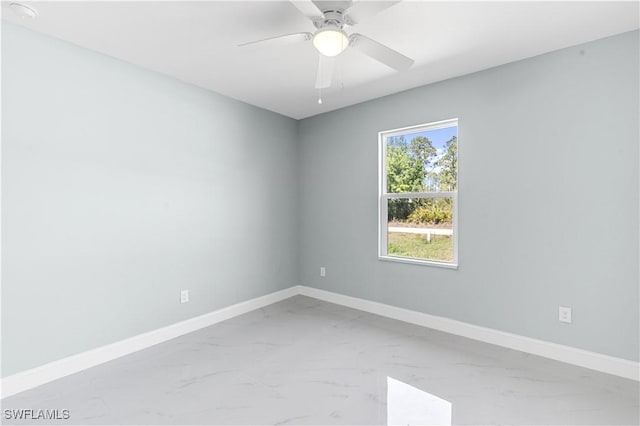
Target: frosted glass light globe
330	41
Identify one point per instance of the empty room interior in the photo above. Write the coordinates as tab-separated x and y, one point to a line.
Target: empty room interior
320	212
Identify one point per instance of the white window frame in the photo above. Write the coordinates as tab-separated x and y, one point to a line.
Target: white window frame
384	196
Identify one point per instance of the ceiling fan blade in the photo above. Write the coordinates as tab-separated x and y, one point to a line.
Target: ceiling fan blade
325	71
380	52
281	40
308	9
362	10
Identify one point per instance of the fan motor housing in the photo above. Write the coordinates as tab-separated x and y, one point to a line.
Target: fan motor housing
335	18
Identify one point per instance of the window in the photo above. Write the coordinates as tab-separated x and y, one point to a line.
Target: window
419	194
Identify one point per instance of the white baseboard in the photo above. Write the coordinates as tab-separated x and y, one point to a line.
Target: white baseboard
29	379
592	360
32	378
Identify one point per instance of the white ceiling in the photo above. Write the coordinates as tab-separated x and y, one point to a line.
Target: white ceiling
197	42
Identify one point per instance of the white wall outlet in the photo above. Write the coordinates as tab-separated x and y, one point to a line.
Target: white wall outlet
564	314
184	296
323	271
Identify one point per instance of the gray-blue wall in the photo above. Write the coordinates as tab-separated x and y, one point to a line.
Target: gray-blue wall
120	187
548	198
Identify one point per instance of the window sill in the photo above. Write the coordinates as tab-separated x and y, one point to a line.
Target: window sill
419	262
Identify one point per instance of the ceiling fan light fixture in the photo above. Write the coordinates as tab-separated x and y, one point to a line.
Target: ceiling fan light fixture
330	41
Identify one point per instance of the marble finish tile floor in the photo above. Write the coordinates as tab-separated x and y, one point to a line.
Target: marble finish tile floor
304	361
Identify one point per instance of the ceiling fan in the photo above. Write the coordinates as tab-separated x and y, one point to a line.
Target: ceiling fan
330	38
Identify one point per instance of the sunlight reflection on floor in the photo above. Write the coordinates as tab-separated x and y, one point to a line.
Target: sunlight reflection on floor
407	405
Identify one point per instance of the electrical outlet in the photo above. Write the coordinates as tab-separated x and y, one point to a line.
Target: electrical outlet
564	314
323	271
184	296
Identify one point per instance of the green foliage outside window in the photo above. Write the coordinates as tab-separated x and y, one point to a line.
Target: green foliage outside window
416	166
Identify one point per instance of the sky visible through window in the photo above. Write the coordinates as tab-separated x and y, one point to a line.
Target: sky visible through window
438	137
